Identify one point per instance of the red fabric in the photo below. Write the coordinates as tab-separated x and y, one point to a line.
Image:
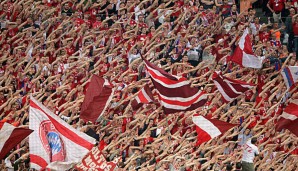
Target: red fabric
16	136
289	123
142	96
231	90
203	136
175	91
295	28
277	5
96	99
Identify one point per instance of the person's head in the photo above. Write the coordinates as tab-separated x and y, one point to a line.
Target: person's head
247	131
151	122
292	11
201	8
234	7
1	95
254	140
29	20
5	6
292	61
229	167
275	25
251	11
66	6
144	30
238	165
185	58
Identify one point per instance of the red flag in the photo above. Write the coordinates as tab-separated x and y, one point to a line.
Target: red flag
209	128
95	160
229	88
175	93
98	96
289	118
243	54
144	97
10	136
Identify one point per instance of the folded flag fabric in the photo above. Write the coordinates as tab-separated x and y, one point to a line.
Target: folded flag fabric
289	118
209	128
98	96
175	93
229	88
290	75
10	136
54	144
243	54
144	96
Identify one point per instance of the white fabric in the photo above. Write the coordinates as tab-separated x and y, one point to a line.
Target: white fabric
293	73
8	165
162	17
5	133
289	116
73	152
146	95
252	61
221	90
180	84
206	125
132	57
249	60
179	107
249	152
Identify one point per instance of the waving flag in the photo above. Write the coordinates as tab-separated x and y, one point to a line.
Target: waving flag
243	54
175	93
10	136
98	96
289	118
209	128
96	161
290	75
54	144
144	97
229	88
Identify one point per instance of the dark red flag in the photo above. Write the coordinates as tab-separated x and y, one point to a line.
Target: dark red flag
10	136
98	96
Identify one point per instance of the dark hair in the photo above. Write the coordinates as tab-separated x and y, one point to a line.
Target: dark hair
254	140
238	165
229	167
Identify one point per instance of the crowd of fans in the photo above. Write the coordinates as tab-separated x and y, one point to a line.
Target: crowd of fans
51	48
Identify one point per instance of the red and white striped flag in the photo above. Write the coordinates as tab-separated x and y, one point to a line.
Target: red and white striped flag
54	144
144	97
229	88
209	128
244	55
289	118
175	93
10	136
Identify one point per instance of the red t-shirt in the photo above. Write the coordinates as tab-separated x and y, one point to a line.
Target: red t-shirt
295	28
264	36
277	5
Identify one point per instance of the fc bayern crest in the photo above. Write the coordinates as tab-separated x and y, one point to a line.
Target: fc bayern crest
51	141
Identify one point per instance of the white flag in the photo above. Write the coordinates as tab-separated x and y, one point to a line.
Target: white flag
54	144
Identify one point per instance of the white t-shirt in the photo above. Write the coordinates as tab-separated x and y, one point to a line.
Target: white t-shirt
132	57
8	165
249	152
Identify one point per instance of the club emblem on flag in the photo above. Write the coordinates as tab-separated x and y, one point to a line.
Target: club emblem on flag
51	141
